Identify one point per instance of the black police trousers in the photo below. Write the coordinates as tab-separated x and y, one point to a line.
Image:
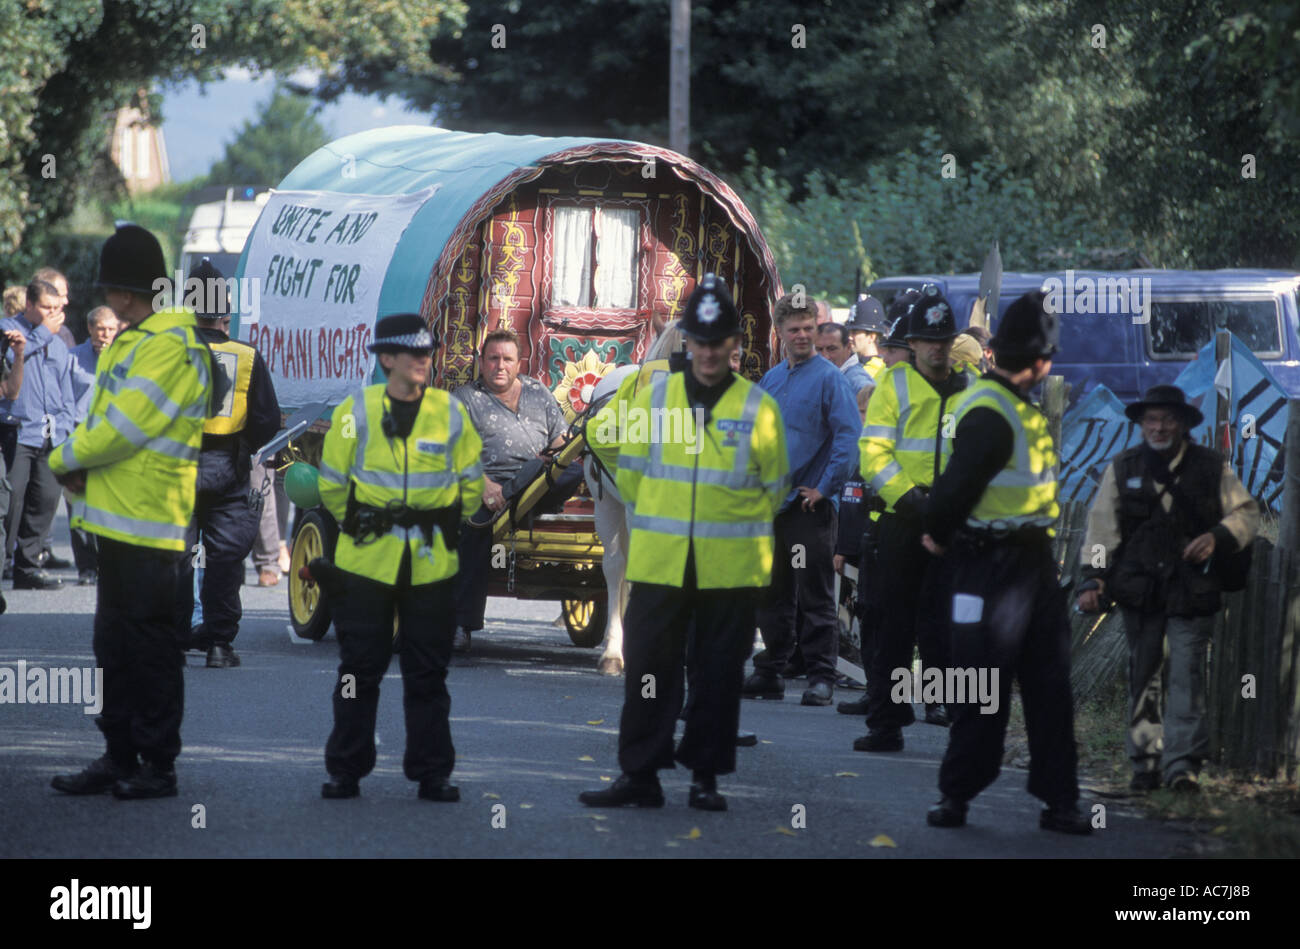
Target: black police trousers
227	528
802	595
136	646
363	619
656	628
1009	615
910	584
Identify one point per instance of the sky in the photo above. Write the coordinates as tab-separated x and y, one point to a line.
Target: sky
197	125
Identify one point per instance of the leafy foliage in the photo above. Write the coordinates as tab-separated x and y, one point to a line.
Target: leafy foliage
266	150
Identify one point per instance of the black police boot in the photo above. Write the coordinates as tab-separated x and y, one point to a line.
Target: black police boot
819	693
151	780
937	715
1065	819
438	789
35	580
87	578
746	739
763	685
641	790
98	777
949	812
460	641
858	707
338	788
222	656
880	739
704	794
50	562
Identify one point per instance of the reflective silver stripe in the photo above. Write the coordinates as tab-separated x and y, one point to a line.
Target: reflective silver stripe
432	479
904	400
877	431
1021	520
68	456
886	475
455	428
658	398
748	419
415	479
473	471
332	474
161	443
709	529
739	480
914	444
124	426
1007	478
130	525
160	400
359	415
1021	476
632	462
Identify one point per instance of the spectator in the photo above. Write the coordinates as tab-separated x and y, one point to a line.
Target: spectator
42	414
104	327
1168	514
982	337
15	300
60	283
833	344
517	418
822	426
12	346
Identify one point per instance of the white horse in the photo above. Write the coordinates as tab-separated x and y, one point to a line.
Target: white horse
611	517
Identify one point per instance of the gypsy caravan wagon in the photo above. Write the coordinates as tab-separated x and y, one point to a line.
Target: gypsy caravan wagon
585	247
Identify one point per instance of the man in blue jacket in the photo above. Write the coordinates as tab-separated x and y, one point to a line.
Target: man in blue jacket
822	428
42	414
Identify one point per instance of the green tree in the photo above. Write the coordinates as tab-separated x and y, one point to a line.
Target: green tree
267	149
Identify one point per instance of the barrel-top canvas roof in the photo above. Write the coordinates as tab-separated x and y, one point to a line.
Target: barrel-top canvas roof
471	172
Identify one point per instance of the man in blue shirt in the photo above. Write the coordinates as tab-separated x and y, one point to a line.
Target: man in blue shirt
42	414
822	428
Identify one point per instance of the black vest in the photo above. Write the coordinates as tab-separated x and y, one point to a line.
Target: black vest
1149	572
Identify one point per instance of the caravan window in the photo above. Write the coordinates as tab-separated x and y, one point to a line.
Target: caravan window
595	256
1179	328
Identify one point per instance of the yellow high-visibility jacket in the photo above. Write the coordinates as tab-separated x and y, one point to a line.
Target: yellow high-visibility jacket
433	467
1024	493
605	430
900	443
717	486
139	444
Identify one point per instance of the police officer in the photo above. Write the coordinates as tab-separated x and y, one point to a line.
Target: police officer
400	472
994	504
248	416
901	456
701	508
134	462
867	328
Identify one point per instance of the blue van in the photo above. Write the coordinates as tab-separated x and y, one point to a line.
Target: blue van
1132	329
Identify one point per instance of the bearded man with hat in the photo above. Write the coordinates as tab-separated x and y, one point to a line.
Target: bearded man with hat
901	449
248	416
867	327
702	483
131	467
993	508
400	472
1167	515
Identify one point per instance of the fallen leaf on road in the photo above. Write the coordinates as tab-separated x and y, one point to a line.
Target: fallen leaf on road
598	817
586	758
1221	829
601	830
883	840
495	797
596	721
785	830
525	806
846	774
693	835
671	843
605	777
764	741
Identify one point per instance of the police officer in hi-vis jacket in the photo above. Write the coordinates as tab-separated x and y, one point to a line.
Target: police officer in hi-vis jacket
400	472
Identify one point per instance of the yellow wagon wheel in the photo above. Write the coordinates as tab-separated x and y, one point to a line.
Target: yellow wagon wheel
314	538
585	621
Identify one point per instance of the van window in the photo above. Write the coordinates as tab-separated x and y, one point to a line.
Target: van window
1179	328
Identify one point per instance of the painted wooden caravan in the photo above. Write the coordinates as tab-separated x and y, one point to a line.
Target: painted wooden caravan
585	247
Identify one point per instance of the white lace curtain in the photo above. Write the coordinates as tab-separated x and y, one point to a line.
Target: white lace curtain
616	235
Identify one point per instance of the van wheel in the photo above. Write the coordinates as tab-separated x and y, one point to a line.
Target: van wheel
315	537
585	621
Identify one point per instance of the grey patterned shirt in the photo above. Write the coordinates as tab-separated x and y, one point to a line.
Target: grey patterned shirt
510	439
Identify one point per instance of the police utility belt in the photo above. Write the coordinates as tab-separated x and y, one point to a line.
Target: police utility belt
1001	534
366	523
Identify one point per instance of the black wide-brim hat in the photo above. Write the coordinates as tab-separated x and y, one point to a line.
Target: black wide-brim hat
1165	397
403	333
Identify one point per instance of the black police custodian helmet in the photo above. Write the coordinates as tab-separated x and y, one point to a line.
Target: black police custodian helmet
897	314
132	259
931	316
710	313
206	292
403	333
1028	328
868	316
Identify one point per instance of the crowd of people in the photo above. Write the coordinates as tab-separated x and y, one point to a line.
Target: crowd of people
895	444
